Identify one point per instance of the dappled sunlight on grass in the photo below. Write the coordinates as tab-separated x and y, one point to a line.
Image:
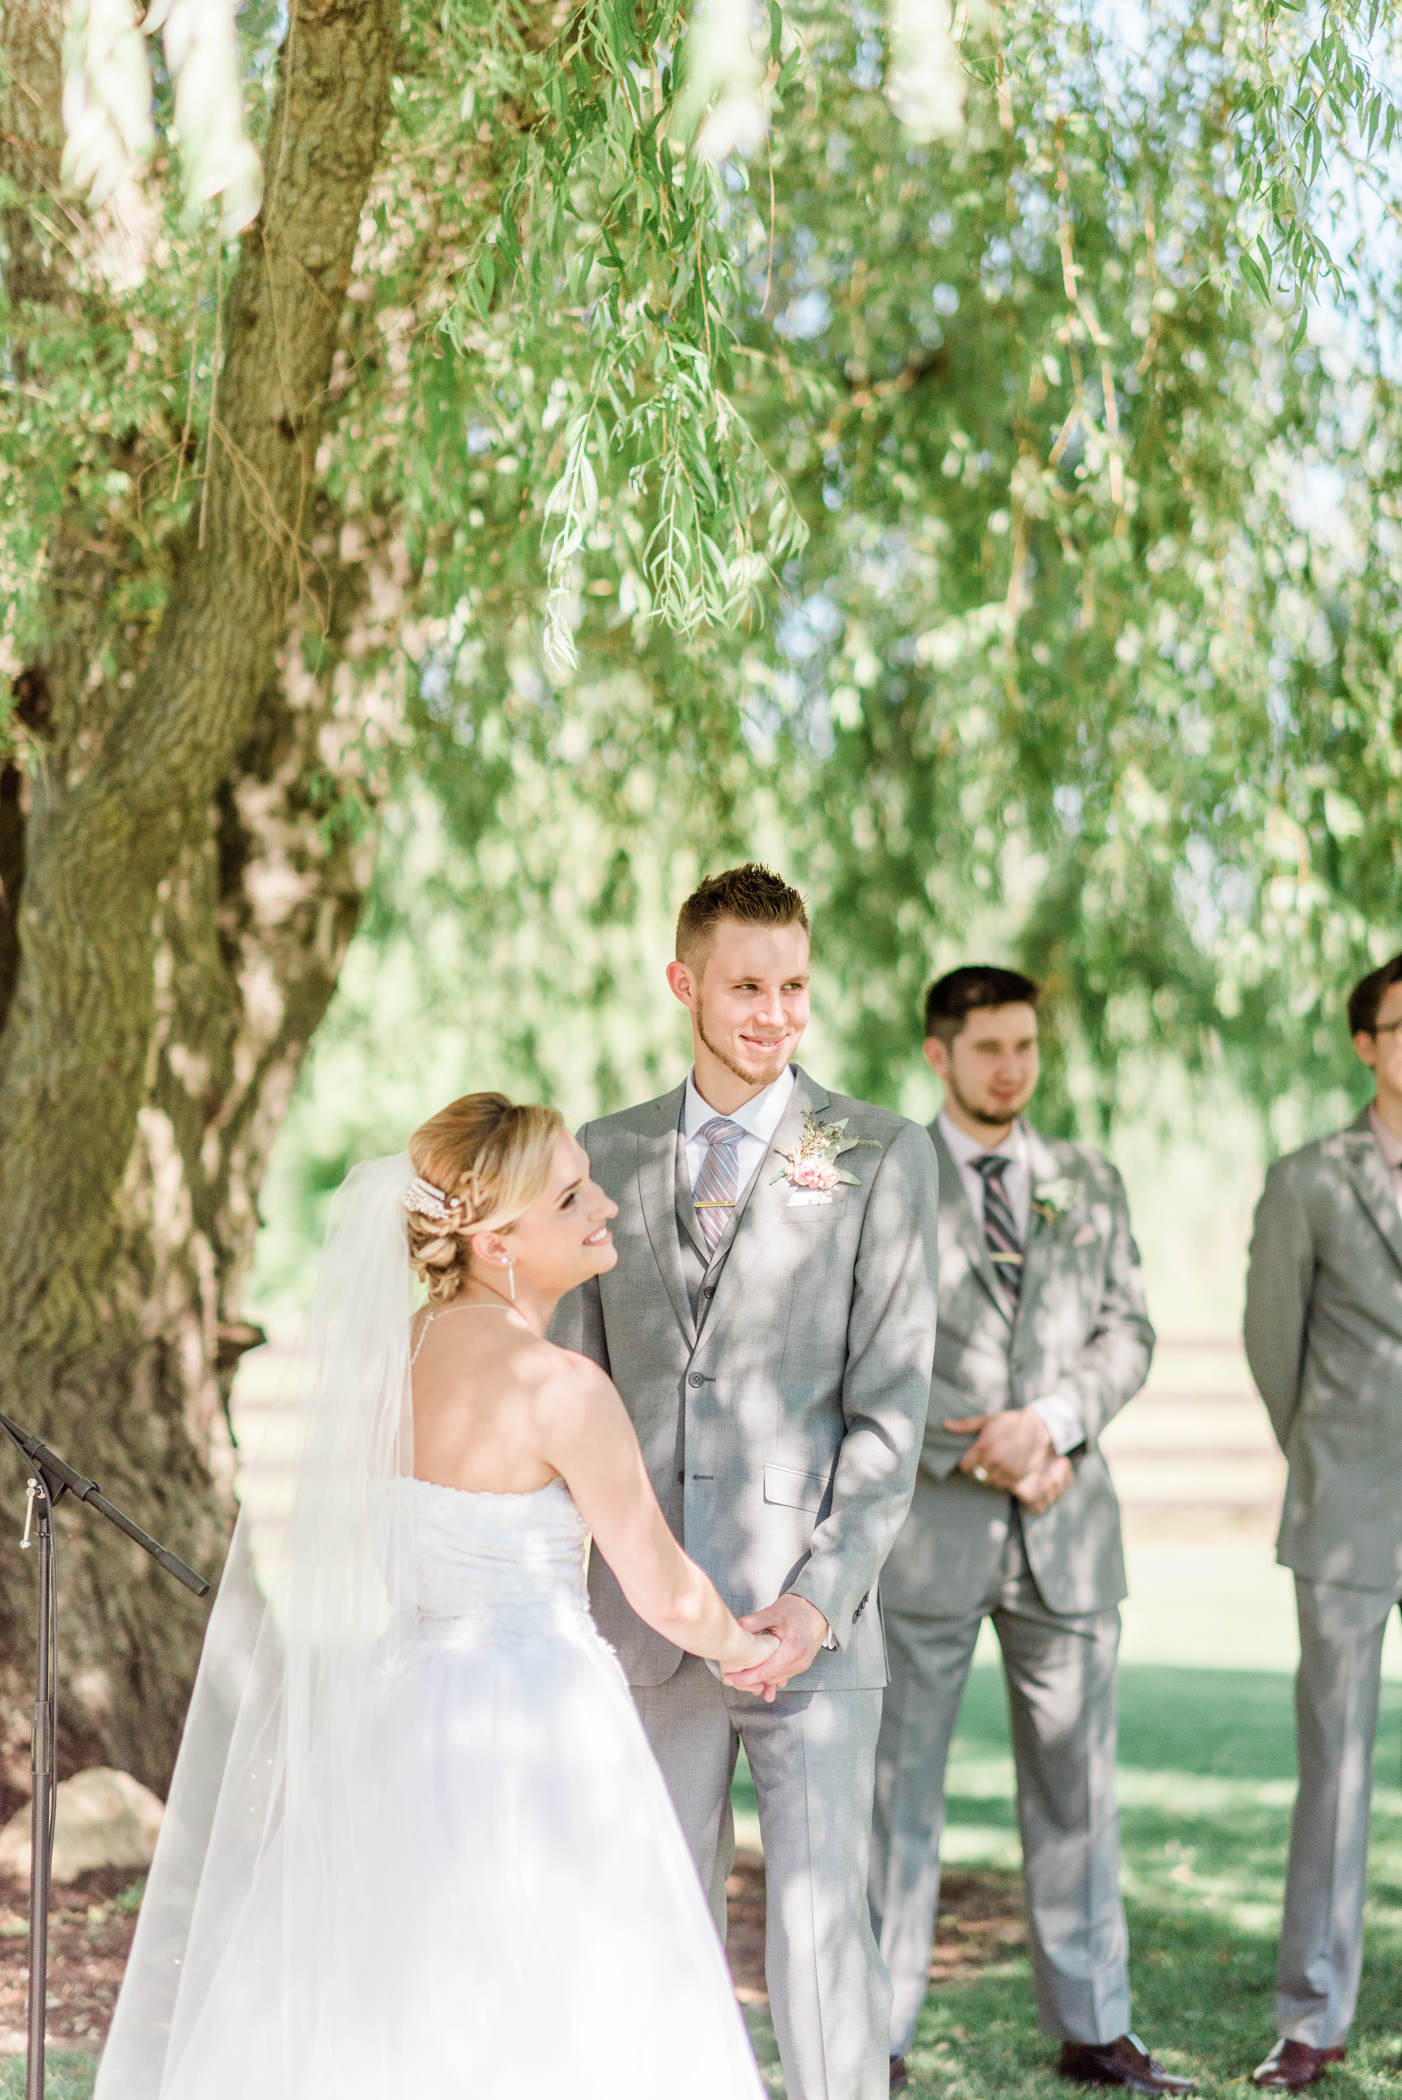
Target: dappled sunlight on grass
1206	1786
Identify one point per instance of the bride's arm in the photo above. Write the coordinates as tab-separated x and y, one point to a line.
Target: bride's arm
589	1439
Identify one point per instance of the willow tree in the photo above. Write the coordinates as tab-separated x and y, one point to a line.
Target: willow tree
175	912
221	538
1090	414
497	358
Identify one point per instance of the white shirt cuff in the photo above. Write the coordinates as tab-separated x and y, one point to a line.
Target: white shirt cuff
1064	1424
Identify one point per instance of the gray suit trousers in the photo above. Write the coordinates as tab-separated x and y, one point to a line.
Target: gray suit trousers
1336	1719
1060	1671
811	1754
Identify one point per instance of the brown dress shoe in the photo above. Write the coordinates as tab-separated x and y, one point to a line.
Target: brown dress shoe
1291	2066
900	2076
1123	2062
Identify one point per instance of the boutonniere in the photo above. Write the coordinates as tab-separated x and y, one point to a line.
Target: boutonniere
1052	1199
812	1162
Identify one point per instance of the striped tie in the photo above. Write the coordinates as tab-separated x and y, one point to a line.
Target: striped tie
718	1183
999	1225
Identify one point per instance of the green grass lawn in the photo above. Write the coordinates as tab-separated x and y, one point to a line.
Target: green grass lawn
1206	1783
69	2075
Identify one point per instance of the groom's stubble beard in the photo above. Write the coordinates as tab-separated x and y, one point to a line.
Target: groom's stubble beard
753	1075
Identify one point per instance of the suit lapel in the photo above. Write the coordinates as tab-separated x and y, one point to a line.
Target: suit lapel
1044	1235
954	1202
657	1198
1373	1185
763	1203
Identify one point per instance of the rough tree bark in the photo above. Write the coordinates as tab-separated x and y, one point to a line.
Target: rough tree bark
174	915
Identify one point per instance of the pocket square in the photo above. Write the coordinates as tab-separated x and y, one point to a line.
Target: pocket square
1086	1237
802	1197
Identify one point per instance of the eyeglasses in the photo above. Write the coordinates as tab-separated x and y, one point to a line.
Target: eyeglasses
1388	1028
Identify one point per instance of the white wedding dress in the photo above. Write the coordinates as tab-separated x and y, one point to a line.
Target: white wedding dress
416	1845
536	1923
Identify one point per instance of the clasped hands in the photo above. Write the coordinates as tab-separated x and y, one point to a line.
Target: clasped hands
801	1630
1013	1451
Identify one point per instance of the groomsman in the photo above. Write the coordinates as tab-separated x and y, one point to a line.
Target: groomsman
1043	1337
770	1324
1324	1340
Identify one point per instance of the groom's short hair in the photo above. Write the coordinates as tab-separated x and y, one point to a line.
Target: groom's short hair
752	894
959	993
1368	995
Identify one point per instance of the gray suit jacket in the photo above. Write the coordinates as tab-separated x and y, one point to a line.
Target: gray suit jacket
1324	1341
1081	1328
782	1436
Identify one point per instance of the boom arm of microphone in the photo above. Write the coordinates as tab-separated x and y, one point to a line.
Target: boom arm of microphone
88	1491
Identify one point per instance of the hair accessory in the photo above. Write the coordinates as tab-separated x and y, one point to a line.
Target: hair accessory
423	1200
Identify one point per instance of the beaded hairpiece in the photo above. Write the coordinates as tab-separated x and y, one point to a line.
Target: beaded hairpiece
423	1200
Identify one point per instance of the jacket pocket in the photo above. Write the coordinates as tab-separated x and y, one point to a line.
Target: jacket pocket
795	1490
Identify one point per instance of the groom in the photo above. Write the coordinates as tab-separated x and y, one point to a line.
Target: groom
770	1324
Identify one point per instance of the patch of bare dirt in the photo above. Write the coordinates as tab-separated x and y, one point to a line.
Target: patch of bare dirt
744	1927
90	1934
980	1922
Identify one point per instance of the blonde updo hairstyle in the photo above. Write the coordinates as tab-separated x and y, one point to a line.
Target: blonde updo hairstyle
489	1158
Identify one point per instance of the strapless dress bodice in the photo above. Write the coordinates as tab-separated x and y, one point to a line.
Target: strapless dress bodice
492	1568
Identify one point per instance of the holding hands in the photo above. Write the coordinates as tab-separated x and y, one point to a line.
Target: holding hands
792	1629
1013	1452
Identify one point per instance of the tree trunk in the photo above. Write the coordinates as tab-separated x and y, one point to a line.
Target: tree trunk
182	914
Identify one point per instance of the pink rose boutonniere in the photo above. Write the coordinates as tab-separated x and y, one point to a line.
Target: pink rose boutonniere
810	1167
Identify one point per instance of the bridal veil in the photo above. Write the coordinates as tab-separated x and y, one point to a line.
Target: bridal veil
267	1808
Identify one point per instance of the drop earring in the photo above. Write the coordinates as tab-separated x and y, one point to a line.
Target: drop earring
511	1280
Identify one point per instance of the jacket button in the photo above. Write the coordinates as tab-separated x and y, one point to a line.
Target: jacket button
696	1379
708	1290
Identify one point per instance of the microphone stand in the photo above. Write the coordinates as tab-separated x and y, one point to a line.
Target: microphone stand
50	1479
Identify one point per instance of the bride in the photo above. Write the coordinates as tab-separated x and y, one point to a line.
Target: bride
416	1843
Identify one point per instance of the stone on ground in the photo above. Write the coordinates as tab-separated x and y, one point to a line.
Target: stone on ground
105	1819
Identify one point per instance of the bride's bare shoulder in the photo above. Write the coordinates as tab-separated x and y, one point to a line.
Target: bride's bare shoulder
577	1373
569	1381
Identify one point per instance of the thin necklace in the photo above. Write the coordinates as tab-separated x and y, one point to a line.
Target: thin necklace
477	1305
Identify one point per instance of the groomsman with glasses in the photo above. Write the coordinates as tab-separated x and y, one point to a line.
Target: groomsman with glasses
1324	1340
1043	1336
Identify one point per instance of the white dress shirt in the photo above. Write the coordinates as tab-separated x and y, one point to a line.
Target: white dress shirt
1390	1146
759	1119
1057	1410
